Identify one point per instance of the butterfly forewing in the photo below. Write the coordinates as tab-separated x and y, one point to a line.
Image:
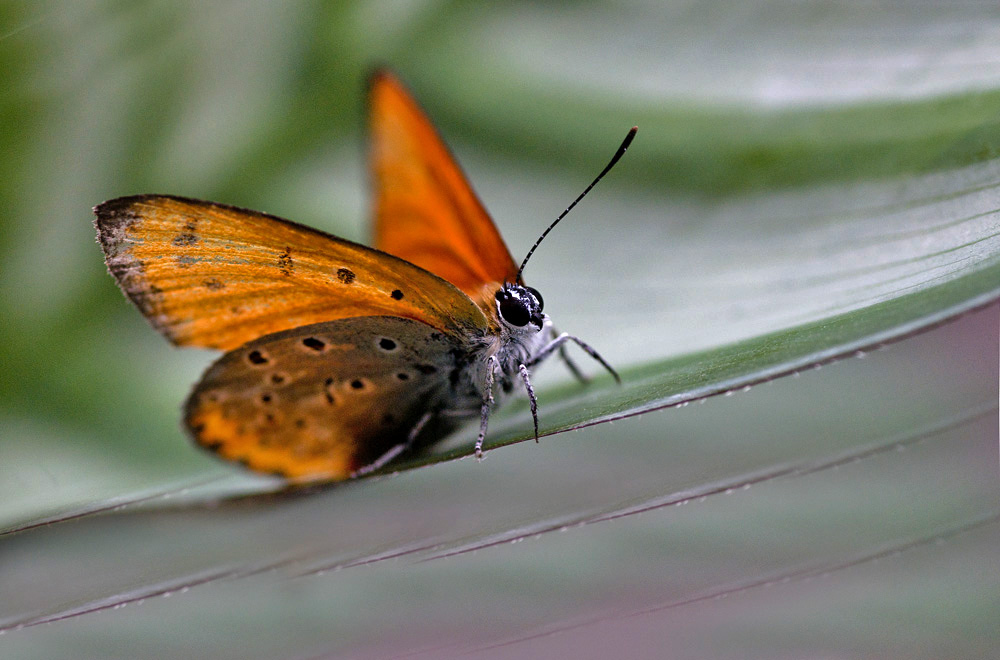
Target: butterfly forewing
322	401
217	276
425	210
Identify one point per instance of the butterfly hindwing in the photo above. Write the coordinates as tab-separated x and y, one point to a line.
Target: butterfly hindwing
217	276
425	210
322	401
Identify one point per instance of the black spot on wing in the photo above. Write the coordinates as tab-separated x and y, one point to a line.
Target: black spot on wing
345	275
257	358
314	343
285	263
188	237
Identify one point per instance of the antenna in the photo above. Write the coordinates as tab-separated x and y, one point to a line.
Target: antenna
614	159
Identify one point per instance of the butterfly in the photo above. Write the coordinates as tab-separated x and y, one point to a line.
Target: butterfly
339	357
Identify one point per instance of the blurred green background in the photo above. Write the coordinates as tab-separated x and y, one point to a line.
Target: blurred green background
809	179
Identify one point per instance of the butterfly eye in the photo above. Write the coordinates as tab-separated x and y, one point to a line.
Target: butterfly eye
515	312
538	297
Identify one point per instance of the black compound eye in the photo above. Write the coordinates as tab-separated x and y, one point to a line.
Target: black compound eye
538	297
514	312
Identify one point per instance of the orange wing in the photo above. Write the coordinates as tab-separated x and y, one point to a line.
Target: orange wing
322	401
217	276
425	210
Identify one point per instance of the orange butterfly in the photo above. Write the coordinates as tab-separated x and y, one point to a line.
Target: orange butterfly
340	357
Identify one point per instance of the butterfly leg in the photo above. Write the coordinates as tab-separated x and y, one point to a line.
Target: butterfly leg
491	365
573	369
531	397
570	364
397	449
559	343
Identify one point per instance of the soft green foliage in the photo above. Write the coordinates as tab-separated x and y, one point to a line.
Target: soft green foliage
812	200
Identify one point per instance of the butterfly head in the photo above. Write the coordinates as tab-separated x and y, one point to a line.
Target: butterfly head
520	308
